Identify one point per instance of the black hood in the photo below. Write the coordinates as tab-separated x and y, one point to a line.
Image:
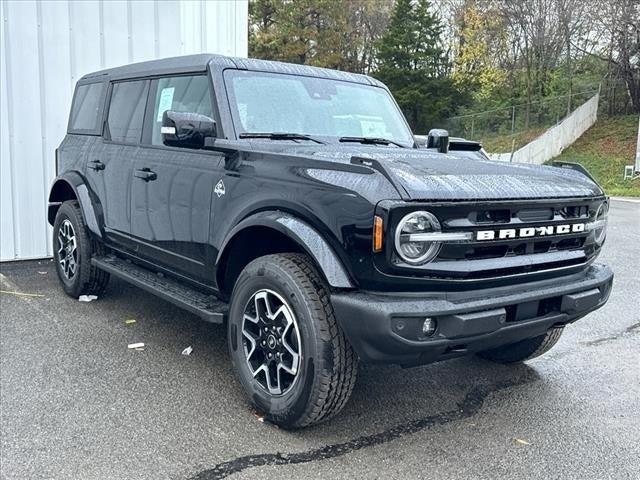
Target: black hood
421	174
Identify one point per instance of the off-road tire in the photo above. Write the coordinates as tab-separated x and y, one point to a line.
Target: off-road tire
328	363
524	349
88	280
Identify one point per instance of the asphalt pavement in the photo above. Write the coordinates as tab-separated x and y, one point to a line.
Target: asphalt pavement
76	403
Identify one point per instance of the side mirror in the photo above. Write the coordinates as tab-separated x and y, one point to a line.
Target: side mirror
184	129
439	139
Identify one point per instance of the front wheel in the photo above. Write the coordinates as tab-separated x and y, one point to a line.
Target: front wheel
524	349
286	347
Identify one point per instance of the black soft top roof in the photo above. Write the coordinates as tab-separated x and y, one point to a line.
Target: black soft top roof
199	63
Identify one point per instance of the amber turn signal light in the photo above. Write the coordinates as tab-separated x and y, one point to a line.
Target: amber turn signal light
377	233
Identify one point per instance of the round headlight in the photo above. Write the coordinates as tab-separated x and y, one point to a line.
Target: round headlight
601	223
410	249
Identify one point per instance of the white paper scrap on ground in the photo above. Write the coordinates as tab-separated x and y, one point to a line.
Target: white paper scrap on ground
136	345
187	351
87	298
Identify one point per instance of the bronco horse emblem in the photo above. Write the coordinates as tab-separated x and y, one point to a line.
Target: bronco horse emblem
219	190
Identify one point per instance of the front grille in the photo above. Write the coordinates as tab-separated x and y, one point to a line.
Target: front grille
512	249
482	259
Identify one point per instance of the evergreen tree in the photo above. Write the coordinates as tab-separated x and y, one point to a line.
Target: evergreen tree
413	64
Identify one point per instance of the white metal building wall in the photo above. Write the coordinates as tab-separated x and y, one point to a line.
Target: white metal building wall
45	47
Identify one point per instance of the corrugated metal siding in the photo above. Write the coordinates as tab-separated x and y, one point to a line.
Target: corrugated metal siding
45	47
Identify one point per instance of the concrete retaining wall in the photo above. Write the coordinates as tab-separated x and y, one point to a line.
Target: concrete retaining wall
551	143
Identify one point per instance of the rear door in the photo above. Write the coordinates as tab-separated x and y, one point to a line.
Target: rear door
110	167
172	187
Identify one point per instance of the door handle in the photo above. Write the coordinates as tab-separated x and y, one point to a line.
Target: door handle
145	174
96	165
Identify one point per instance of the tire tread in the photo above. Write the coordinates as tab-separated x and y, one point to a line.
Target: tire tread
336	365
524	349
93	281
336	385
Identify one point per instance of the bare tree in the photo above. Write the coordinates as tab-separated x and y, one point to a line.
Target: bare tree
367	22
616	24
538	36
574	27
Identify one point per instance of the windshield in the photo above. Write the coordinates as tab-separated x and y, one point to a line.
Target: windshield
273	102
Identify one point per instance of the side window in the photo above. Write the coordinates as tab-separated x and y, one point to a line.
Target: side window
126	111
180	94
87	108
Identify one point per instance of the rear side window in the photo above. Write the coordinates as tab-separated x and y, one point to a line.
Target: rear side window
180	94
126	111
86	110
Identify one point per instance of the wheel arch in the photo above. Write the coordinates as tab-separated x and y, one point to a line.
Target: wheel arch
72	186
278	232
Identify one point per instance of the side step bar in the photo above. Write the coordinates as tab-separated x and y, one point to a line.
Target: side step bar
206	306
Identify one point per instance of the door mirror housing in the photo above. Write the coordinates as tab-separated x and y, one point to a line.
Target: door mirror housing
185	129
439	139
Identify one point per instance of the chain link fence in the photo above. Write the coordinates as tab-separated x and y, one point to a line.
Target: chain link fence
506	129
614	98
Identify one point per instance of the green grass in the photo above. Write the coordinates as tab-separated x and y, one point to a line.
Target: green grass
504	143
604	150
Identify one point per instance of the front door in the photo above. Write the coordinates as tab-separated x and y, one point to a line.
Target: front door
172	187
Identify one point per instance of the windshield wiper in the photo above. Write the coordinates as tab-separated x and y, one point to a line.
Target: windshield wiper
280	136
371	140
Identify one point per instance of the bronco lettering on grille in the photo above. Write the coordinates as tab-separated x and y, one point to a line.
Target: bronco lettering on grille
528	232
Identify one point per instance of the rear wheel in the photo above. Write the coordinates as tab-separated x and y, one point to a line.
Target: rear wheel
72	251
286	347
524	349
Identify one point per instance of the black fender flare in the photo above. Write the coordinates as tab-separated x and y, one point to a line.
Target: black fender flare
77	183
578	168
304	235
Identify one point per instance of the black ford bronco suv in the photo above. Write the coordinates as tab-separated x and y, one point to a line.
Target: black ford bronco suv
294	204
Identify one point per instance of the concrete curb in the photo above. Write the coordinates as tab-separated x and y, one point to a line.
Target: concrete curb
626	199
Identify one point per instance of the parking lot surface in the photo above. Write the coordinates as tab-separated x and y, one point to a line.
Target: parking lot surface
77	403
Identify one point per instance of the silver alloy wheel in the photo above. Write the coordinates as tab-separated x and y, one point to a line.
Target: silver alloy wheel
67	249
271	339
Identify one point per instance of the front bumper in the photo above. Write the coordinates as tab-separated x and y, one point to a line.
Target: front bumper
387	327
